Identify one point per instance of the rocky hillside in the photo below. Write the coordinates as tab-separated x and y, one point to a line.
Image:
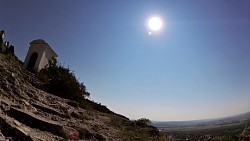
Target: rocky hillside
28	113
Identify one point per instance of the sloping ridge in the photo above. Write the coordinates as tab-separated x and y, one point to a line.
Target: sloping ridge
30	114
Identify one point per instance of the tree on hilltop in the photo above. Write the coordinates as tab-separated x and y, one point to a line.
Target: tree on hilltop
62	82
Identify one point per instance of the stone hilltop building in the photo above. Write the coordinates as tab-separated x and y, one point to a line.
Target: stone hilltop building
38	55
4	45
1	41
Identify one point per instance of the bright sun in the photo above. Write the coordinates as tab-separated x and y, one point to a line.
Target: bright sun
155	23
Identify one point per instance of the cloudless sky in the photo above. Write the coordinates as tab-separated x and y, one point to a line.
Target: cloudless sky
196	67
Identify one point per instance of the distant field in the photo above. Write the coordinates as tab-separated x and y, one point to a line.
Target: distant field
228	128
231	126
204	133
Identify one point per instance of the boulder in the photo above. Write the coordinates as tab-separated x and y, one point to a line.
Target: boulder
9	130
35	122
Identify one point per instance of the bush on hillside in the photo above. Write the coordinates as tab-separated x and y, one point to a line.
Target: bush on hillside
143	122
62	82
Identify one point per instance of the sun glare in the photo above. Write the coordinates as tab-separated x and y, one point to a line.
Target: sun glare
155	23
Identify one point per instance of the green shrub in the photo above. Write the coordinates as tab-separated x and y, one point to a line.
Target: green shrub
143	122
62	82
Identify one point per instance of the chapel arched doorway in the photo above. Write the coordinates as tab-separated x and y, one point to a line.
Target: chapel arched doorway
32	62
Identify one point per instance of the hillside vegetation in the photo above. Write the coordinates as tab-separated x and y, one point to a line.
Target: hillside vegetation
29	113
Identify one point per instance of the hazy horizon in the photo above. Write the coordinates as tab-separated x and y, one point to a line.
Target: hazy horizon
196	67
204	119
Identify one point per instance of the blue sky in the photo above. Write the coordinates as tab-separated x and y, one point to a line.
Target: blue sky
196	67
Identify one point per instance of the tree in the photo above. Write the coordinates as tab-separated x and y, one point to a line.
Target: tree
62	82
143	121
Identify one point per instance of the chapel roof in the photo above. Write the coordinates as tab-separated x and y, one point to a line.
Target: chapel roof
38	41
41	41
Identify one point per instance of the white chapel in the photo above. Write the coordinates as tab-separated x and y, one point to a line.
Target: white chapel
38	55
